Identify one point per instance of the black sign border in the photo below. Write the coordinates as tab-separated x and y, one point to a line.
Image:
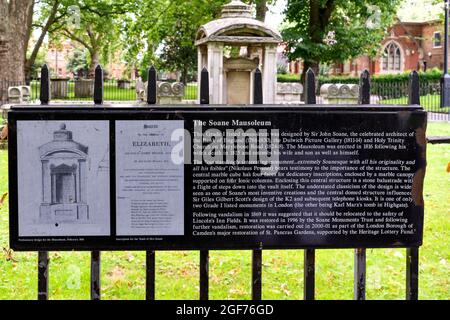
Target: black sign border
111	114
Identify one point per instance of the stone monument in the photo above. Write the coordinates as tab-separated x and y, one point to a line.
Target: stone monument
231	48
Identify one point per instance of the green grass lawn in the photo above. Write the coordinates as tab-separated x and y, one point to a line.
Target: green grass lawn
431	103
123	273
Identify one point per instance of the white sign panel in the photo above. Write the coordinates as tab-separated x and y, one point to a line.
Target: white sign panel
149	185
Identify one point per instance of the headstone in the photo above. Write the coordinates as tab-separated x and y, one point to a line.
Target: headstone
338	93
289	92
170	93
84	88
15	95
59	88
26	93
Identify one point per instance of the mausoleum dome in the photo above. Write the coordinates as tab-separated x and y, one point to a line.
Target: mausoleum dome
63	142
237	25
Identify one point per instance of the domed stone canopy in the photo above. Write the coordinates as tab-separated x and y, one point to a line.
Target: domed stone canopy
231	48
236	25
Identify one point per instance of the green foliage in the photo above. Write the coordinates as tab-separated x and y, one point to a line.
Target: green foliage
78	63
335	30
432	75
165	32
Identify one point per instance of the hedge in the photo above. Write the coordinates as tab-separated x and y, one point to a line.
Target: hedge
432	75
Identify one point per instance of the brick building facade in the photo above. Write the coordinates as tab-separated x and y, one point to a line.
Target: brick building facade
407	46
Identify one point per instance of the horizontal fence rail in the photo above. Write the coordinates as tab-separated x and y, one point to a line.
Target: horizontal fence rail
366	94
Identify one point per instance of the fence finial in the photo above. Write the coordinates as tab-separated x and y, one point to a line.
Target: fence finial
257	87
364	88
414	88
310	87
44	94
204	86
151	85
98	85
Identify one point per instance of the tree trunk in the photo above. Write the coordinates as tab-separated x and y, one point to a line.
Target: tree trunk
306	66
261	10
95	60
14	34
50	20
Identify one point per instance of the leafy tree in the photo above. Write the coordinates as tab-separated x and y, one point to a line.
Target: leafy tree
162	33
325	31
78	63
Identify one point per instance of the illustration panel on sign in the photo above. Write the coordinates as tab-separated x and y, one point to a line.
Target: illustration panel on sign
63	178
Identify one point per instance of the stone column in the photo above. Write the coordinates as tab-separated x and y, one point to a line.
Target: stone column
215	69
53	188
82	181
46	183
270	74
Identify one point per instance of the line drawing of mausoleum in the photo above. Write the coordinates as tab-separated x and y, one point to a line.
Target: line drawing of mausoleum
63	179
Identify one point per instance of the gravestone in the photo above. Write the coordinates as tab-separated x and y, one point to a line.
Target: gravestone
337	93
84	88
59	88
289	92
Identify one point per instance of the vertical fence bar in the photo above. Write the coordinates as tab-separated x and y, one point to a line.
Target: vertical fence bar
310	87
43	259
412	254
360	253
44	93
95	255
150	275
204	254
204	274
256	274
412	273
257	254
98	85
309	274
43	262
309	264
151	85
95	275
414	88
150	255
257	87
204	86
360	274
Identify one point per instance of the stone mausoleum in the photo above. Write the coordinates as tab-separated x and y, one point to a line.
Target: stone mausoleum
63	179
231	48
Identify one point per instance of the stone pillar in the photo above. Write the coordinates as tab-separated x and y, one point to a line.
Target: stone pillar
53	188
46	183
82	181
215	69
270	74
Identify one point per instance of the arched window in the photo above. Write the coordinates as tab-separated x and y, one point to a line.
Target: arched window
392	57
